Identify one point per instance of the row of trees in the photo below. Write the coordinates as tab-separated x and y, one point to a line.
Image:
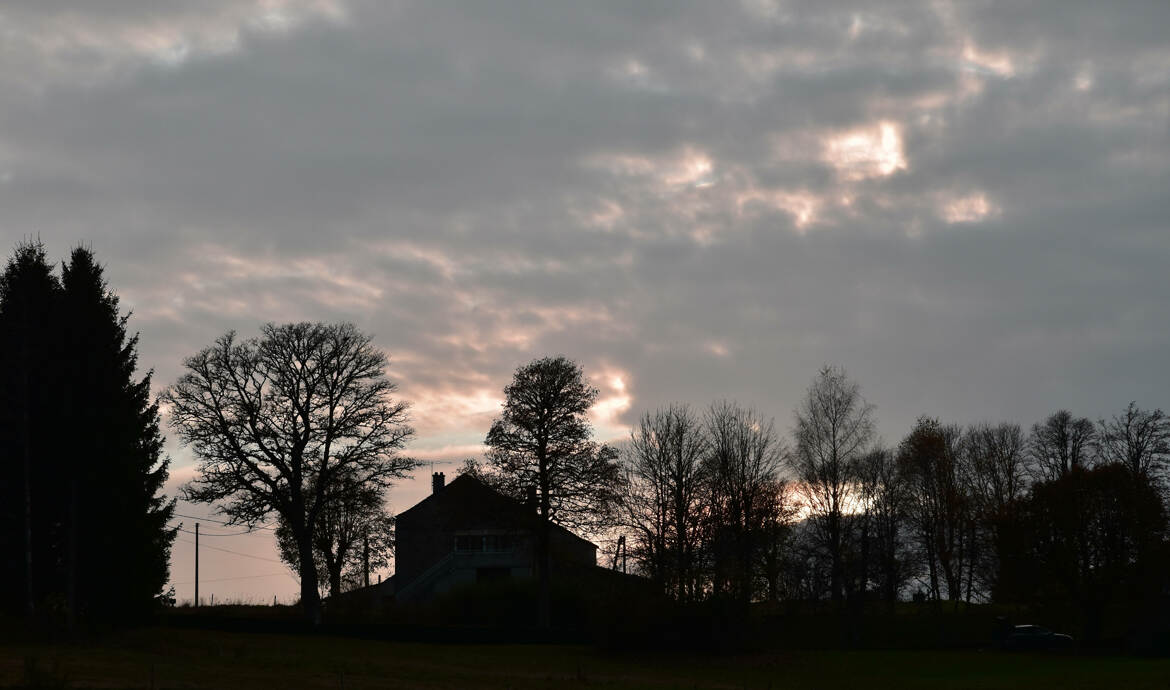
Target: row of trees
83	525
718	504
703	498
301	423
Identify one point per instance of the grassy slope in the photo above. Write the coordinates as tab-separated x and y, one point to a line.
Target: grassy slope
194	658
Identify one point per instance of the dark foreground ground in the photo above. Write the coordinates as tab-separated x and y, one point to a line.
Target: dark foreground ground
178	658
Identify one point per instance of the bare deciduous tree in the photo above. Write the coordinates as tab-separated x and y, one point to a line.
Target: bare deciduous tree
1059	444
780	510
939	505
834	429
743	463
664	496
998	473
284	423
1138	439
354	536
883	495
995	478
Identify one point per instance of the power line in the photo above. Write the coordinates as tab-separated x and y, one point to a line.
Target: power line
217	548
220	522
240	577
213	534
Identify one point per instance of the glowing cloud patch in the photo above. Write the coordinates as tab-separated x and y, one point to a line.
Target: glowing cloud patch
689	168
865	153
447	410
718	349
613	402
999	64
803	206
972	208
237	285
606	216
1083	80
692	169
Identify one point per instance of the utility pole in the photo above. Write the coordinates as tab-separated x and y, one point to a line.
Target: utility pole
71	516
71	561
366	559
196	565
29	606
619	553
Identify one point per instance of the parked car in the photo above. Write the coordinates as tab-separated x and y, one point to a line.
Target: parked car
1035	637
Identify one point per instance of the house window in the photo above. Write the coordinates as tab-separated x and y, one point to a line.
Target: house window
484	543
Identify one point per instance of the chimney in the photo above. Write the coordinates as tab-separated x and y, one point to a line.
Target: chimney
437	481
530	498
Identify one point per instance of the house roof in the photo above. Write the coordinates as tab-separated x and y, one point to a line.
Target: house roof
468	490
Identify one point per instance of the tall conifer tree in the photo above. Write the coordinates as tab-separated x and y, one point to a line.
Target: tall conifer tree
116	563
29	353
81	462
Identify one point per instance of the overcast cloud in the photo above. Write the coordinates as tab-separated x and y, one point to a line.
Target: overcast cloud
966	205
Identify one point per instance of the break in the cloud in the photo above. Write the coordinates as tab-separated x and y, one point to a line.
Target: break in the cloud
963	203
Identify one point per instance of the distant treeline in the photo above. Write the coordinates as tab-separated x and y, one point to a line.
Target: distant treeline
83	528
1068	517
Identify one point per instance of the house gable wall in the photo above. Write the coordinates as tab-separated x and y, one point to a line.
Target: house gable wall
426	534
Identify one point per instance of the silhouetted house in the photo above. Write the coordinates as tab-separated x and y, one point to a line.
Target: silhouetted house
466	532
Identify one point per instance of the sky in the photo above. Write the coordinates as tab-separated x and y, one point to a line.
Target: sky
964	204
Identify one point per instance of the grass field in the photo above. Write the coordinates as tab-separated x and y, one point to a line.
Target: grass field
168	657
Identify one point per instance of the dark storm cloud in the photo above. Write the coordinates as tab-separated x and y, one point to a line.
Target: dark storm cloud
962	204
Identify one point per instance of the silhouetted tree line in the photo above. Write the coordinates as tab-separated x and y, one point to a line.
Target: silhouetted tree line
717	506
1068	516
83	527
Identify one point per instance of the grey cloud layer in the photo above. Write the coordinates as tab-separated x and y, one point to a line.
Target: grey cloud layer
964	205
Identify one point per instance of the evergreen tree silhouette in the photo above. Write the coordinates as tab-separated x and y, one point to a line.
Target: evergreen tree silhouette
115	459
30	298
80	447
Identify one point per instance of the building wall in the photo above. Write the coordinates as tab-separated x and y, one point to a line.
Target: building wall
426	535
570	550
